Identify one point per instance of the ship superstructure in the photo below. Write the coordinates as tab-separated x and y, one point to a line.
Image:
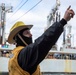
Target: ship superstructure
60	62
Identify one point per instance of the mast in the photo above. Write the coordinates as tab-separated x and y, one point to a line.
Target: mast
3	10
53	15
69	36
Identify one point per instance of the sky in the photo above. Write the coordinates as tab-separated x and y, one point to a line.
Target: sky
35	12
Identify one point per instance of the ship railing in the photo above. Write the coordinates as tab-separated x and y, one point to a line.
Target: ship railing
66	54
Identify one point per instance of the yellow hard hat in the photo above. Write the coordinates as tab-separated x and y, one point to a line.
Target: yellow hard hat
18	26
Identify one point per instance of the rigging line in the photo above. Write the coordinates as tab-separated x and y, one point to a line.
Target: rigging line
18	4
19	8
28	11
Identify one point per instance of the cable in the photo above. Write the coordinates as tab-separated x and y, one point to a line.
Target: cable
18	4
19	8
28	11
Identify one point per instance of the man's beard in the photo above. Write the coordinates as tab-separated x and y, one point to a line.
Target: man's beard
28	40
19	42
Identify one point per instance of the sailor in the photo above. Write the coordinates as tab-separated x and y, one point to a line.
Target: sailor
28	55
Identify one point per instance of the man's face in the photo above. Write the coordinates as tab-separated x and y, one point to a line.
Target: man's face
27	33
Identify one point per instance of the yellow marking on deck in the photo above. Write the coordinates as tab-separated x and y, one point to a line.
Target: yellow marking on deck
68	66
